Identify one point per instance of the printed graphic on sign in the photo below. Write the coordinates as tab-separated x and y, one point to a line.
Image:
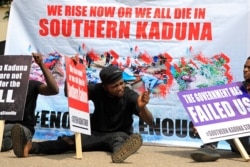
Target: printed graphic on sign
14	75
77	96
218	112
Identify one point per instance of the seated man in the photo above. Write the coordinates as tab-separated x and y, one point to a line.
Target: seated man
111	122
17	133
208	152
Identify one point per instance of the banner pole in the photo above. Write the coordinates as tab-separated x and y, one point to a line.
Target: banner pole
241	149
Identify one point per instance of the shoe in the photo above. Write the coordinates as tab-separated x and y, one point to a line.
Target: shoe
205	154
130	146
19	140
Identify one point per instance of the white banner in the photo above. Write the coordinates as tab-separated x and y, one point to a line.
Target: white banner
173	45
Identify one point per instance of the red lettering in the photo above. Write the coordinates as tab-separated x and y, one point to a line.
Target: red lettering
54	10
92	11
113	28
44	31
154	32
198	32
54	27
67	28
182	13
141	30
100	28
89	26
194	32
167	30
143	12
78	24
162	13
199	13
180	33
206	33
124	12
85	28
80	11
124	29
188	13
67	10
75	10
101	11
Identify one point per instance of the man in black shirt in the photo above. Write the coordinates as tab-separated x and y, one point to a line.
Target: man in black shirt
18	133
111	122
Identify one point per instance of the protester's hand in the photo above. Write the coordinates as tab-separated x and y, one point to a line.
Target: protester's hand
144	98
195	130
75	59
38	58
196	134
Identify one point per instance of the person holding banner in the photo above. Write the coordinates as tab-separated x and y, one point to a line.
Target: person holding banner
111	122
17	134
208	152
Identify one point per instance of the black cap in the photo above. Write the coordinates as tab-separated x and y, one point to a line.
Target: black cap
110	74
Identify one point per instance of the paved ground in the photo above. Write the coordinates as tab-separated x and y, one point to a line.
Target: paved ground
147	156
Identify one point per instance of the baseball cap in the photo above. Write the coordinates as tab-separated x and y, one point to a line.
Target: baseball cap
110	74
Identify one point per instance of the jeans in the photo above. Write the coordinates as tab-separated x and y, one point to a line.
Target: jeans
7	140
109	142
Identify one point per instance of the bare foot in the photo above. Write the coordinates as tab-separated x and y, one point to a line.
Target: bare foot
27	149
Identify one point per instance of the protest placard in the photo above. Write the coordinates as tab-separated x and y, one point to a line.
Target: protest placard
78	101
14	76
219	112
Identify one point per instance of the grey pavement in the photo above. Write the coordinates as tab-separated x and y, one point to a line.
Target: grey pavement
147	156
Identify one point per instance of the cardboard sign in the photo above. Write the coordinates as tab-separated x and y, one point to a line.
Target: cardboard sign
218	112
77	97
14	78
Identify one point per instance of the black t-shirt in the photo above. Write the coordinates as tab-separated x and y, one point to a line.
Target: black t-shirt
243	88
112	114
29	119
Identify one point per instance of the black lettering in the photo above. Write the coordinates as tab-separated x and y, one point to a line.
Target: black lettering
153	130
142	127
156	130
181	128
65	120
44	119
55	119
37	117
167	127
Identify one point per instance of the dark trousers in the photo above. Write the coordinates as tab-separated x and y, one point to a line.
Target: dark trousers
109	142
245	141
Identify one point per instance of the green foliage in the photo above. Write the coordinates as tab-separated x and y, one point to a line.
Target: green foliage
7	14
6	3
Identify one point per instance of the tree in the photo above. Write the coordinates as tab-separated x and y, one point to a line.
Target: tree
6	3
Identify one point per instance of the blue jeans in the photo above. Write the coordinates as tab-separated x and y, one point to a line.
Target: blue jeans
109	142
7	140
